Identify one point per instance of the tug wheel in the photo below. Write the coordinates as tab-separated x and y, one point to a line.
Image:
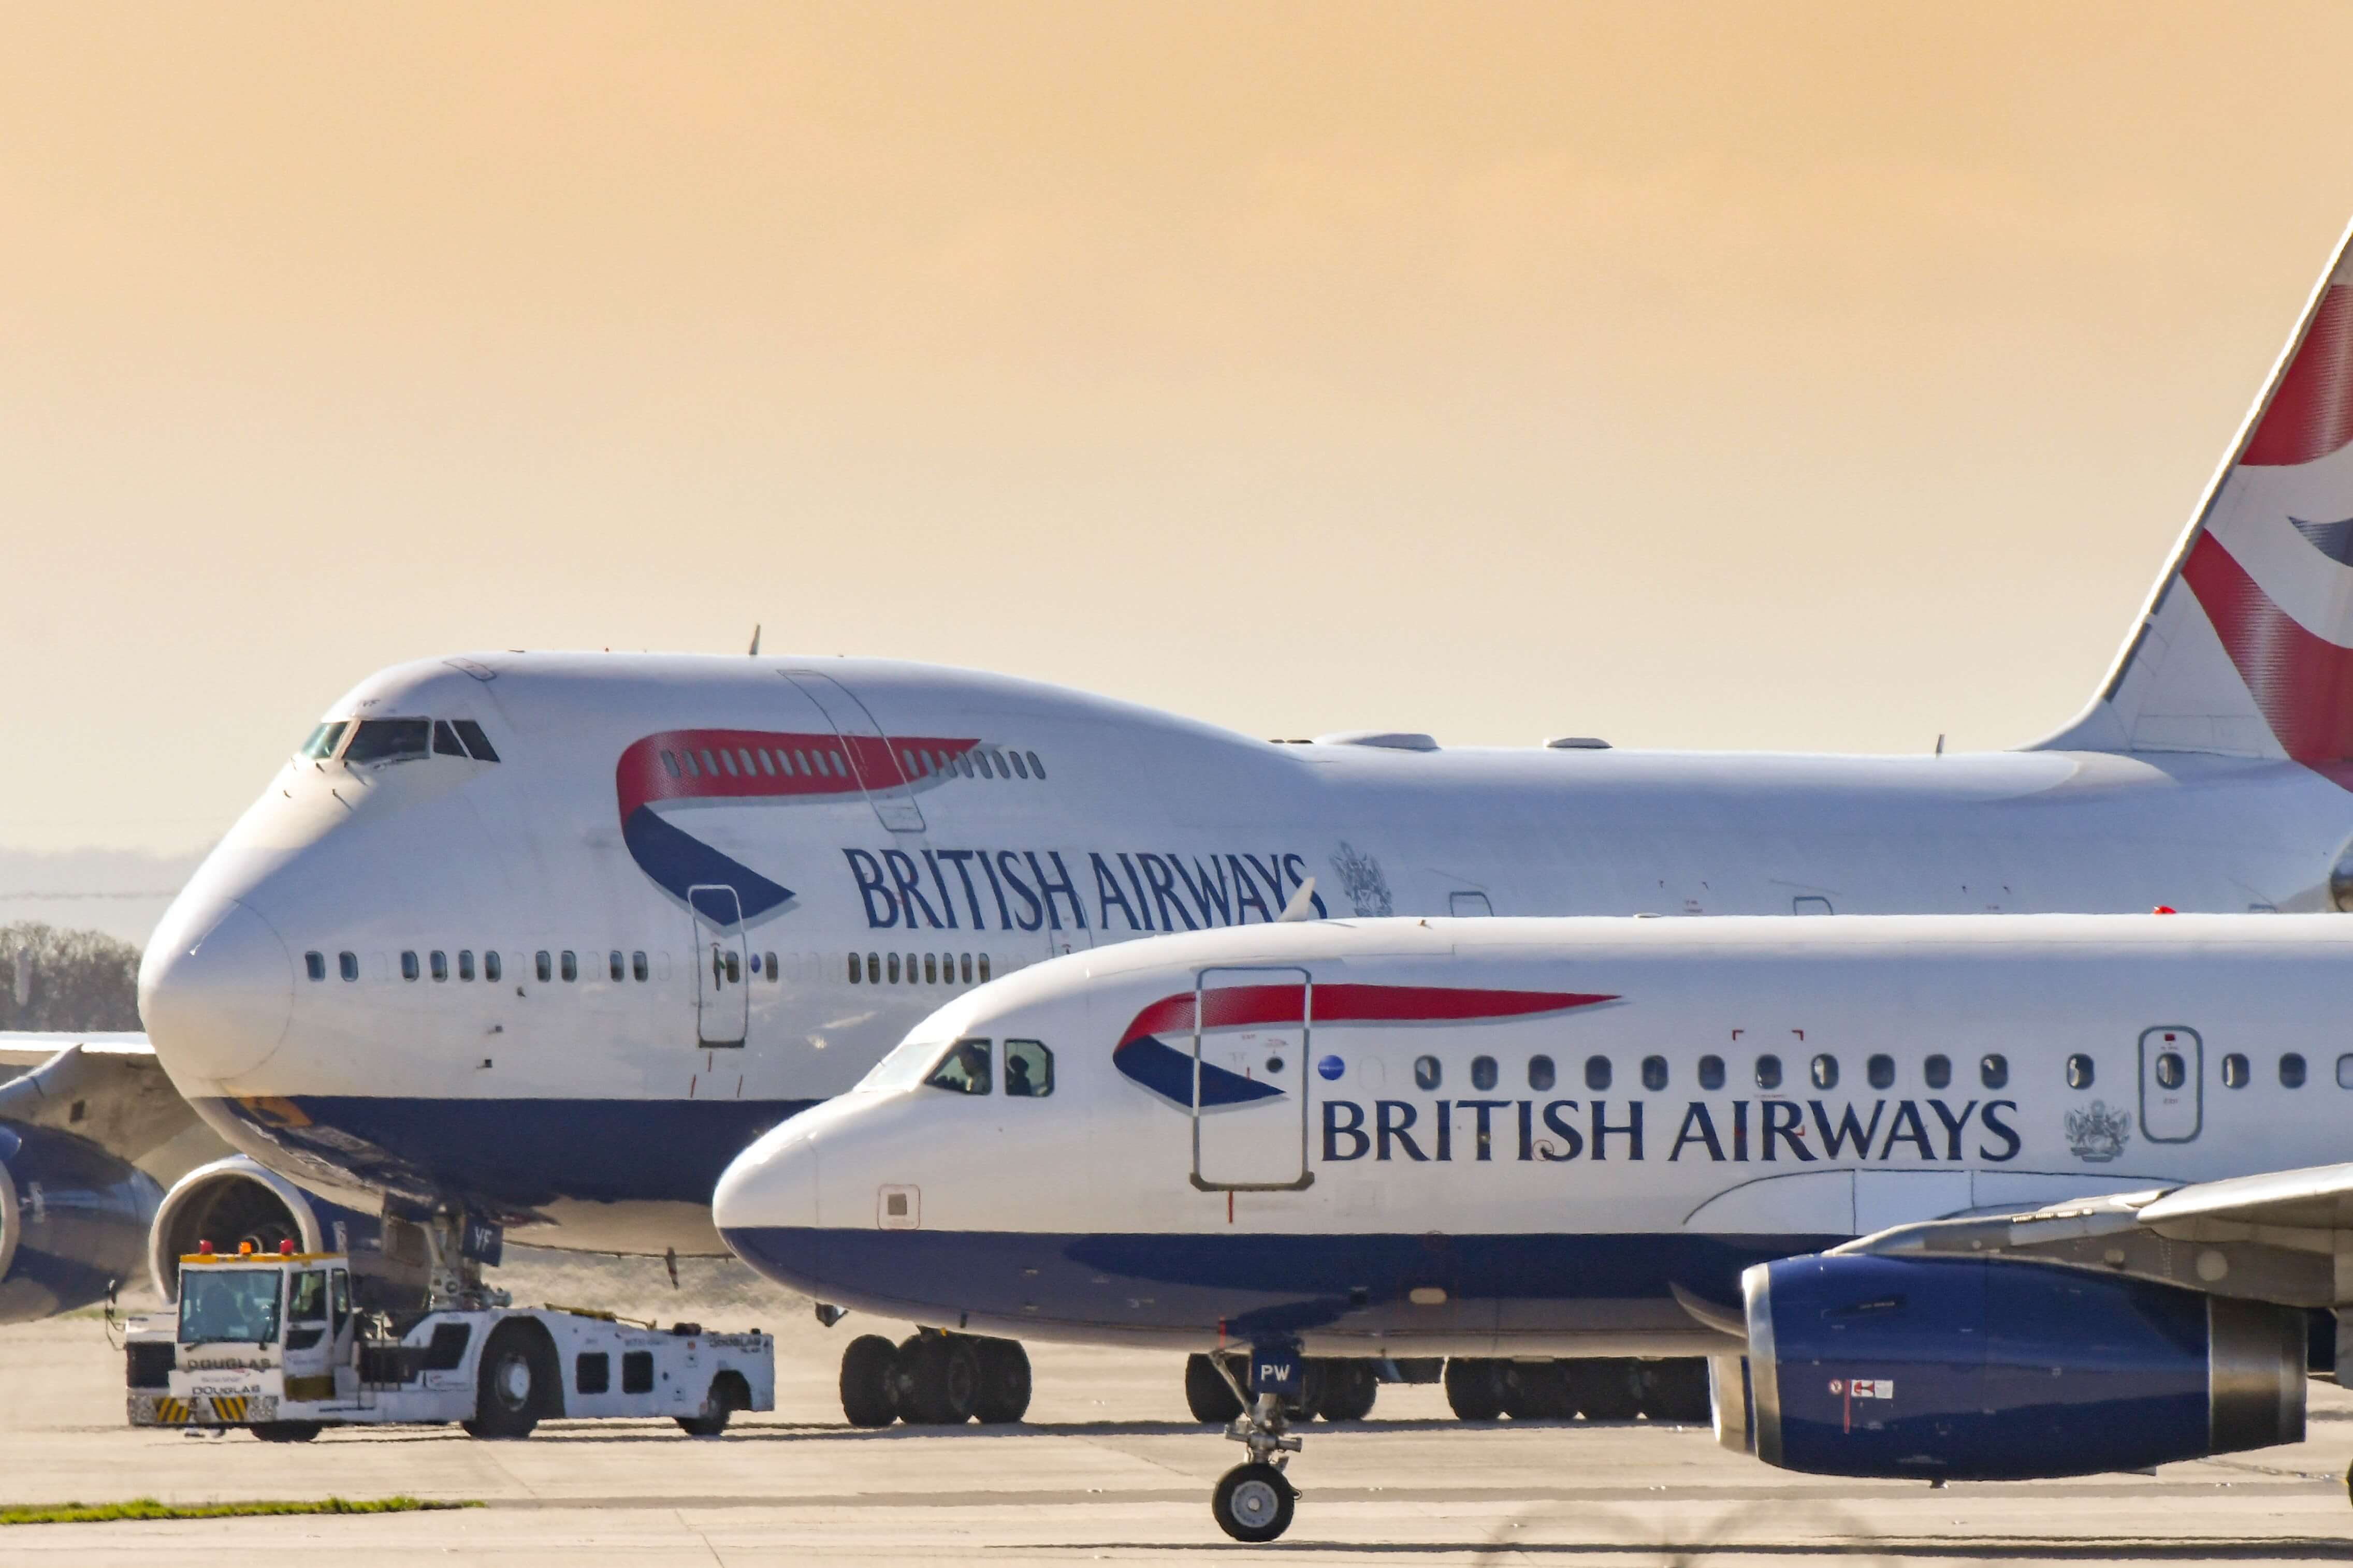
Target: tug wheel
727	1395
286	1431
1253	1502
515	1385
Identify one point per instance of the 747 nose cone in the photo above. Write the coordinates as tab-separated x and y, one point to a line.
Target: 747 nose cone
216	992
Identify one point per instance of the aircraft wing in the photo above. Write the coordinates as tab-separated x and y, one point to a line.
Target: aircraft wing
108	1089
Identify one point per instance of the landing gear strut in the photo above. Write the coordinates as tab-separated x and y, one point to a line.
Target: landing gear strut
1254	1500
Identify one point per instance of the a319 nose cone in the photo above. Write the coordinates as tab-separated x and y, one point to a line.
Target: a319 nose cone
217	1005
767	1208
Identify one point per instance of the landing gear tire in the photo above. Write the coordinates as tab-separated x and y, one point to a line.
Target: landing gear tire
1349	1390
1608	1388
1312	1381
1676	1389
870	1375
1004	1382
1475	1388
727	1395
516	1383
1537	1391
286	1431
1253	1502
1208	1395
939	1379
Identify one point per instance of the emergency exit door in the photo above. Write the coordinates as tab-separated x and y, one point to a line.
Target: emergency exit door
722	1004
1250	1029
2172	1084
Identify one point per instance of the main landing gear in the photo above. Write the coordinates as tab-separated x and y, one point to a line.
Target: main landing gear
934	1378
1599	1388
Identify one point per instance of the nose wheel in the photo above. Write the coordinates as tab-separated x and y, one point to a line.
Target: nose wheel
1254	1501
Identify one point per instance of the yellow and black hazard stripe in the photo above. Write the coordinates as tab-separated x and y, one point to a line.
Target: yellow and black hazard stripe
171	1412
228	1409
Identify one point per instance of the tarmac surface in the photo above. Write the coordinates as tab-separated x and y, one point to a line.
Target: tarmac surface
1108	1468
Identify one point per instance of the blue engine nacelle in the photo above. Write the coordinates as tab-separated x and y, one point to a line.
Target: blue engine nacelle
73	1221
1998	1370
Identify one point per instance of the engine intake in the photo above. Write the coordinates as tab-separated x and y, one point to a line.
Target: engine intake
240	1200
72	1218
1998	1370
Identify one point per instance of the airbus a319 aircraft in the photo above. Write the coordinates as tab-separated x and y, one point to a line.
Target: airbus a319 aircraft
535	943
1536	1138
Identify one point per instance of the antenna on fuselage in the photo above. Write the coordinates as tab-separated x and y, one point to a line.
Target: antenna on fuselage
1301	906
755	649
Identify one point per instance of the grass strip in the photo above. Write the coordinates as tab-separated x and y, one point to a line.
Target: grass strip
148	1507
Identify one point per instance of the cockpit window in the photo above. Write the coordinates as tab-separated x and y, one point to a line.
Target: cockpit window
445	739
903	1068
963	1070
388	740
323	740
1029	1069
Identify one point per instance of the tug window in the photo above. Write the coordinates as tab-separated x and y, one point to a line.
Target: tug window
2079	1071
479	745
1425	1072
963	1070
637	967
315	965
546	968
389	741
1597	1072
491	967
1540	1073
348	964
2235	1071
570	964
1937	1072
440	964
1710	1072
1768	1072
1825	1071
1654	1073
1482	1073
409	965
1881	1071
1994	1072
2291	1070
465	964
594	1373
1029	1069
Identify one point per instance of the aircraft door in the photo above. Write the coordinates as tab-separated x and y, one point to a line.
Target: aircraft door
2172	1084
1250	1030
723	1002
872	754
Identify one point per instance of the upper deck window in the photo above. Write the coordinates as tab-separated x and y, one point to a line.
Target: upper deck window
389	741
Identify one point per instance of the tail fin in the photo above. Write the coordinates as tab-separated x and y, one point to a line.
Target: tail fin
2245	647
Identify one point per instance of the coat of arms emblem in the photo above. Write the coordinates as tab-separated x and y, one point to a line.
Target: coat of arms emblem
1361	880
2097	1134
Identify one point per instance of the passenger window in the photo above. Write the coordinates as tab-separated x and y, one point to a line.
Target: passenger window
639	968
571	965
479	745
1768	1072
465	964
1482	1073
980	760
388	740
669	762
894	969
2235	1071
856	970
1937	1072
1029	1069
1037	768
1597	1072
613	964
1825	1071
735	969
2291	1070
773	975
546	967
983	969
968	969
963	761
1425	1072
408	965
491	967
445	739
1540	1073
440	965
348	963
2079	1071
1710	1072
1020	768
963	1070
1993	1072
2344	1072
931	969
315	965
2172	1072
727	760
1881	1071
1654	1073
1002	770
691	770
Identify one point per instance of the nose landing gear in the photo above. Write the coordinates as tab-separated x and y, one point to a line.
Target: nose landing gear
1254	1500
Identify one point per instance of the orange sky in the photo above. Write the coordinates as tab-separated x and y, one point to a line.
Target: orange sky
1801	376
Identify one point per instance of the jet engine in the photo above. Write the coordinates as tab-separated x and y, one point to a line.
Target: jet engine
2001	1370
238	1200
71	1220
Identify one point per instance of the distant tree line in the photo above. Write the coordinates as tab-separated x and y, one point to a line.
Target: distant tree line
70	980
